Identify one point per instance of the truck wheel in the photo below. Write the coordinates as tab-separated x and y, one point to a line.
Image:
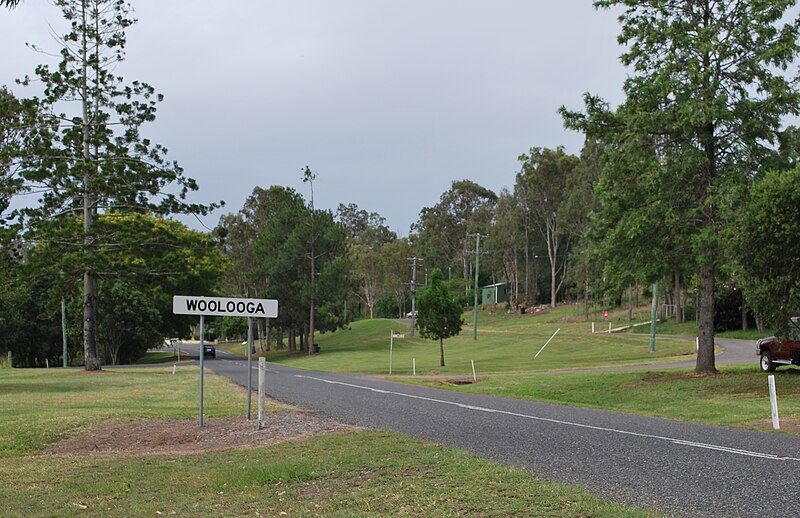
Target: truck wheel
766	362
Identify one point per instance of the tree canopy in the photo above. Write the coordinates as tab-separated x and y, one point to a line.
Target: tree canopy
439	316
703	109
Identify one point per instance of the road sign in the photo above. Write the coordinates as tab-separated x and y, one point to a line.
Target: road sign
226	307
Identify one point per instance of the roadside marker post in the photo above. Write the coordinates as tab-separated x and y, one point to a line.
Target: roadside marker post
392	336
414	366
474	378
224	306
262	391
773	400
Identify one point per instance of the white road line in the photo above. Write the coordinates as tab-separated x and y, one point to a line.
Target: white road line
680	442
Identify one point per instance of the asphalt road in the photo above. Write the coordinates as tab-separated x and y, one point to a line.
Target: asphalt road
679	468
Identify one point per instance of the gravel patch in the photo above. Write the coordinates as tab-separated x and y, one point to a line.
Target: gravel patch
170	437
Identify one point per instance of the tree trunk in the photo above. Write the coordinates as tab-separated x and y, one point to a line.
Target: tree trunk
630	303
267	329
91	359
760	325
744	317
586	297
441	352
678	300
705	355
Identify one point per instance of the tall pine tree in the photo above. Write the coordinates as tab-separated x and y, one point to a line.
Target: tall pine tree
705	99
87	155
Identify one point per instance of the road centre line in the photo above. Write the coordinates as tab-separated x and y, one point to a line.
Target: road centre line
681	442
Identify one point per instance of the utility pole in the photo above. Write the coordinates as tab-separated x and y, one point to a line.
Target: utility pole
475	305
413	287
64	329
309	177
653	316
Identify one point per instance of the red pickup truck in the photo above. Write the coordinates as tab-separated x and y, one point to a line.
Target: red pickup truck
774	352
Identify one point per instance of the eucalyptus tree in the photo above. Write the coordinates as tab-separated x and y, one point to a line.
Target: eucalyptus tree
546	177
443	229
87	155
366	233
708	90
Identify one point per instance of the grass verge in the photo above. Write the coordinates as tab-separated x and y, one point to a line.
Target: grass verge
363	474
42	406
737	397
353	474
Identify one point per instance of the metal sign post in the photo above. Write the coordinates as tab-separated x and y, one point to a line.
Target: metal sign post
249	364
202	356
224	306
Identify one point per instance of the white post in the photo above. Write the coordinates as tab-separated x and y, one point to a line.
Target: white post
474	378
697	343
262	390
174	368
414	365
547	342
592	327
773	399
391	346
609	328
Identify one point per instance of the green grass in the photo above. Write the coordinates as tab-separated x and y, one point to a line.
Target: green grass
351	474
690	329
738	397
157	357
506	343
42	406
357	474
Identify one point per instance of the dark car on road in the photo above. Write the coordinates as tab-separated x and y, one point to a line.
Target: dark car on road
776	351
209	350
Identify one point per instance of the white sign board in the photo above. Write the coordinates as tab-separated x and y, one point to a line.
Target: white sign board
224	307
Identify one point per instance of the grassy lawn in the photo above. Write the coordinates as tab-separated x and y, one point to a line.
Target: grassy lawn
364	474
506	343
690	329
41	406
738	397
351	474
159	357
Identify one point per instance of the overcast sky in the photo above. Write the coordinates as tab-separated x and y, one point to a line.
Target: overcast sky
387	101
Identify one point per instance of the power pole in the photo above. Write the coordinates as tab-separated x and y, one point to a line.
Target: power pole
653	315
475	305
413	287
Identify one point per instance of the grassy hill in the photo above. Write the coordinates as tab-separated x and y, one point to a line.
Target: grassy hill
506	343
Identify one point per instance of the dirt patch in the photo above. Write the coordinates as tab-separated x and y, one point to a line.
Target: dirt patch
169	437
788	424
461	381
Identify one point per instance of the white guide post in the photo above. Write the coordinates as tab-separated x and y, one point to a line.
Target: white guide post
262	392
773	400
